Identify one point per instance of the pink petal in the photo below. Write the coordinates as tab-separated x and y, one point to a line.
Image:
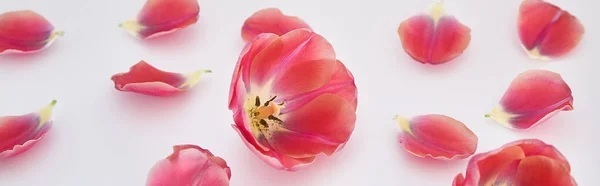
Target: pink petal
546	31
434	38
270	20
241	73
341	83
533	97
543	171
290	60
511	165
145	79
320	126
25	31
459	180
437	136
190	165
159	17
20	133
272	158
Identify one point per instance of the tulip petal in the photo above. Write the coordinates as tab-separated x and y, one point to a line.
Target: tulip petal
543	171
241	72
190	165
459	180
435	38
272	158
437	136
145	79
20	133
546	31
322	125
295	56
25	31
270	20
159	17
532	98
517	163
341	83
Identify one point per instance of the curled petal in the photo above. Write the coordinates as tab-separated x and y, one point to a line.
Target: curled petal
270	20
434	38
20	133
528	162
159	17
542	171
25	31
437	136
546	31
190	165
532	98
145	79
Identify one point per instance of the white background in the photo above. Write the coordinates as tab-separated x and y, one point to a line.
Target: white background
104	137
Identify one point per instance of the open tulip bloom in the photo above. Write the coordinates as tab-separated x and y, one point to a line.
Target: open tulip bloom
292	99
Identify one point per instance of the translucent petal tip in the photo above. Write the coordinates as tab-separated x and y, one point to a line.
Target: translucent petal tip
59	33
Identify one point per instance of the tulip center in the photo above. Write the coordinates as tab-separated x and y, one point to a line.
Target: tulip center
264	115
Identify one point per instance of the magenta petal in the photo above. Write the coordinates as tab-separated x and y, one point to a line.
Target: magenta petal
20	133
190	165
270	20
437	136
143	78
533	97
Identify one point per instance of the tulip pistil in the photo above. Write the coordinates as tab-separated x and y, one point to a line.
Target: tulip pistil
263	115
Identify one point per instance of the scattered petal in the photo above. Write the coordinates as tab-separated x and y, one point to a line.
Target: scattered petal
25	31
190	165
437	136
434	38
546	31
270	20
146	79
19	133
532	98
159	17
529	162
291	99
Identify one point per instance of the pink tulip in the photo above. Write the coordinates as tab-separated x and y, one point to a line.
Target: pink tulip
25	31
19	133
145	79
159	17
533	97
190	165
528	162
291	99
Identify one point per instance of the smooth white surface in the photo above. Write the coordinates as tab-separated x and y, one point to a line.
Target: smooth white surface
104	137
